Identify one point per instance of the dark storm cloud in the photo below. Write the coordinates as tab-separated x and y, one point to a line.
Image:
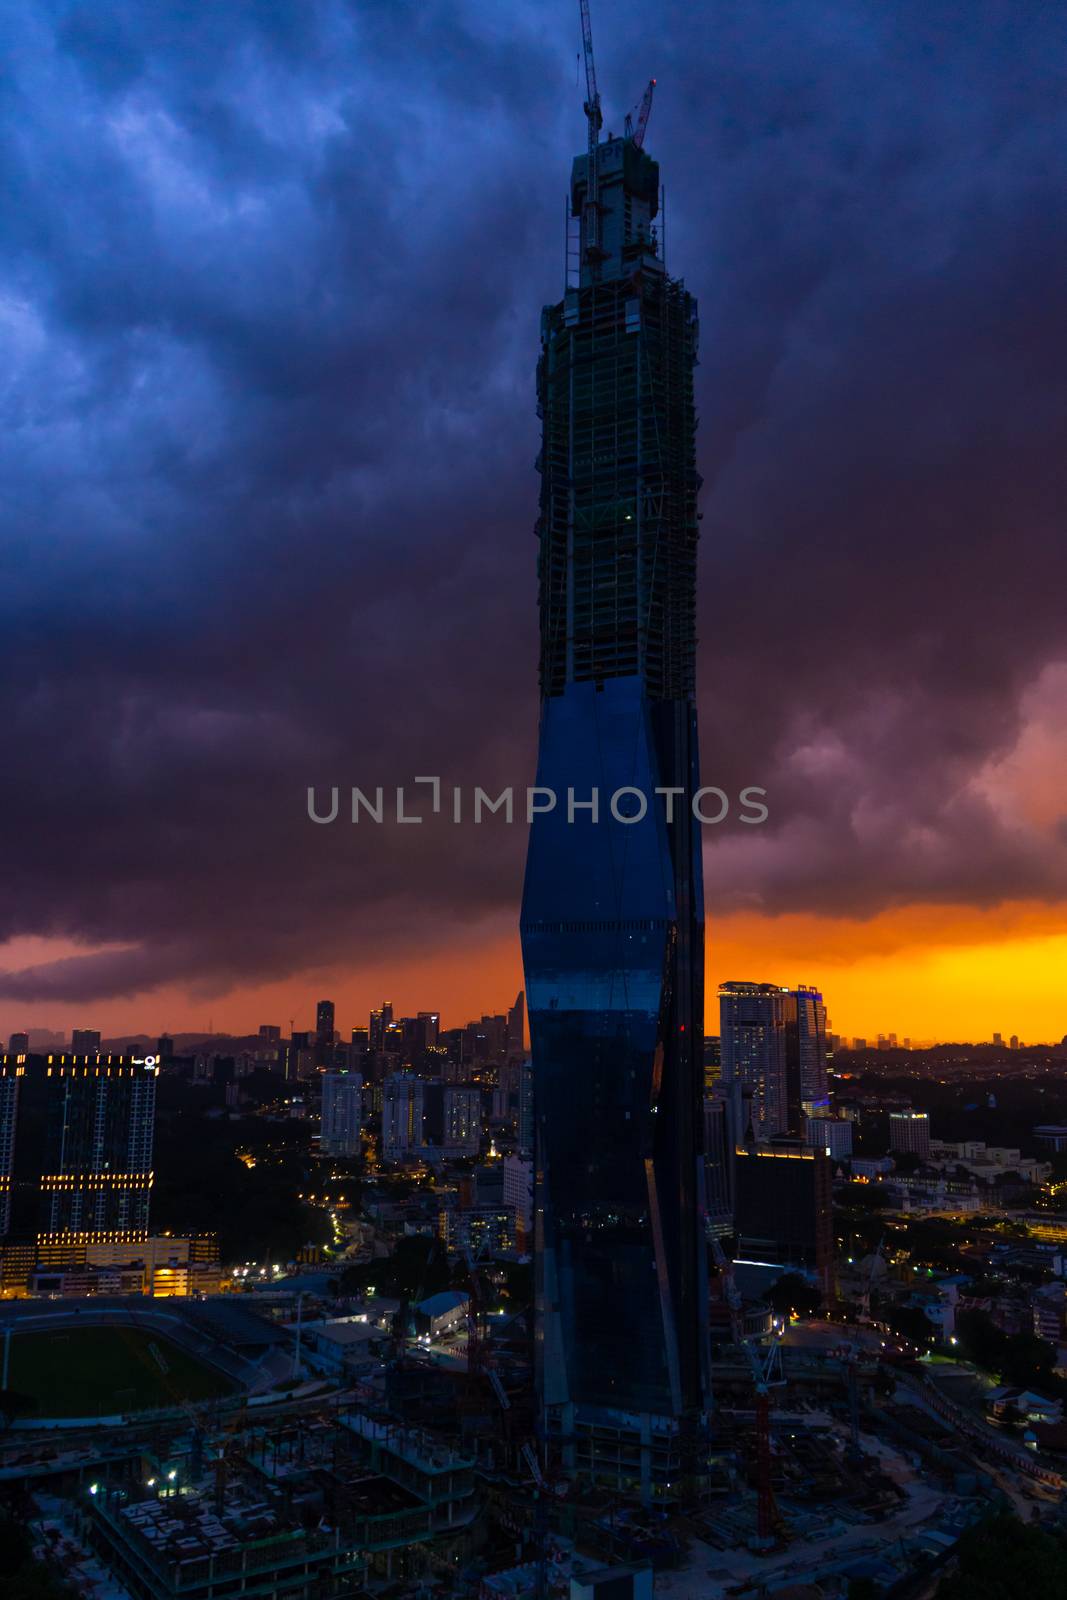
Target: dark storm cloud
270	295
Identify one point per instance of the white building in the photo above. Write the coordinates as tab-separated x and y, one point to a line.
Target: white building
342	1108
518	1194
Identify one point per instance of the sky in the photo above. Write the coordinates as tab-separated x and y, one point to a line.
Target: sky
269	308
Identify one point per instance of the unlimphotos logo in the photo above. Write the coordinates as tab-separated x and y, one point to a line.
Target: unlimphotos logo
627	805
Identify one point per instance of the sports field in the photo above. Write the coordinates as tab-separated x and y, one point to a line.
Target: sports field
92	1372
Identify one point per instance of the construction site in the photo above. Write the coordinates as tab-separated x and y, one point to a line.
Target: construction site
426	1475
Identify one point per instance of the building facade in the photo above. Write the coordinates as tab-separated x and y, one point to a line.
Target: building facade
773	1042
909	1132
612	919
76	1137
402	1115
342	1113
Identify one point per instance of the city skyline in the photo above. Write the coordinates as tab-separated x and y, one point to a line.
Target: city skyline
913	766
299	1008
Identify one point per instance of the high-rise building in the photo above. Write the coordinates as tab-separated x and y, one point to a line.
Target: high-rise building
909	1132
758	1034
612	919
325	1032
270	1032
462	1119
402	1113
723	1115
712	1061
516	1039
342	1113
427	1031
85	1041
526	1107
784	1207
832	1134
76	1147
812	1084
19	1044
773	1041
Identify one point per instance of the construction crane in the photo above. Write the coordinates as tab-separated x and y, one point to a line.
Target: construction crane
865	1299
637	134
595	120
766	1369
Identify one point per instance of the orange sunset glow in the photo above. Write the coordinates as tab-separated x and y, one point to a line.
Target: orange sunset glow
929	973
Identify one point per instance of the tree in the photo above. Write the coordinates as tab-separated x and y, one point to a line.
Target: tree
418	1267
910	1322
1005	1559
22	1577
791	1292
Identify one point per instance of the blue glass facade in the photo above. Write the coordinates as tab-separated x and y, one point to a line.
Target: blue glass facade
612	919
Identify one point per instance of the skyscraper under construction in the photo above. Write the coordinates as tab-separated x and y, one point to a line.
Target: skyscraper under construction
612	920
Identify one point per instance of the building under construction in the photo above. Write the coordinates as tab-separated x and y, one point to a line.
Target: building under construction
612	919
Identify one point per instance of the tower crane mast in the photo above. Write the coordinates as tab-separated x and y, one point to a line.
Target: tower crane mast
594	119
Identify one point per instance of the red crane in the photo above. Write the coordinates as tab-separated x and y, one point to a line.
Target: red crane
637	134
766	1374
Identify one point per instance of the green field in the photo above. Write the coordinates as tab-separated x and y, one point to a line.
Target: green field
92	1372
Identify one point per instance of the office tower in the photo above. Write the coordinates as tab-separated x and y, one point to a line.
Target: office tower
270	1033
342	1113
712	1061
758	1036
165	1047
402	1112
811	1051
612	918
859	1044
84	1041
516	1039
1013	1042
325	1033
526	1108
427	1030
723	1115
832	1134
998	1038
19	1044
463	1120
783	1207
381	1020
360	1041
909	1132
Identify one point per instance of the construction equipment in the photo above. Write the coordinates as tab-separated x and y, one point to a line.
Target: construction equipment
767	1374
865	1299
595	121
637	133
